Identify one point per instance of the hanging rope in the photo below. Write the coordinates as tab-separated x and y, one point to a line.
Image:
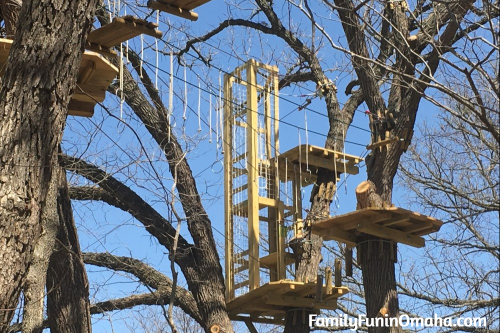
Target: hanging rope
210	119
170	94
185	94
307	142
142	56
121	81
345	167
156	47
199	105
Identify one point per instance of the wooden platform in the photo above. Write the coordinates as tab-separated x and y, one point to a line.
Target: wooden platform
121	29
181	8
393	223
314	157
269	303
94	77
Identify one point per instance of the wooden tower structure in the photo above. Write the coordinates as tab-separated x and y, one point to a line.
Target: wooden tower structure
260	282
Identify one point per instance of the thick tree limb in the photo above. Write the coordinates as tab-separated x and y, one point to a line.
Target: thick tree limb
121	196
149	277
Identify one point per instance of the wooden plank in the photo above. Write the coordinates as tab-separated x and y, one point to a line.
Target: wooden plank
381	143
336	234
186	4
296	302
121	30
170	9
417	227
82	109
270	261
332	165
101	50
392	234
396	220
259	320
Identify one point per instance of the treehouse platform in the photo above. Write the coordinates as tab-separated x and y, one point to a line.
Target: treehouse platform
181	8
121	29
393	223
94	77
269	303
313	157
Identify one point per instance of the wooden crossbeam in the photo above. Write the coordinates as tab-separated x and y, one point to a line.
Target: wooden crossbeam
392	234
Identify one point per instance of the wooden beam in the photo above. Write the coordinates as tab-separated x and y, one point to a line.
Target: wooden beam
338	272
173	10
392	234
336	234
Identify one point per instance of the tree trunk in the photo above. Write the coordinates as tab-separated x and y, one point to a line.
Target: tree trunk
377	265
34	289
68	304
41	72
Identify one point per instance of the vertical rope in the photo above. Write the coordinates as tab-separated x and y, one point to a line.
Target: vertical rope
142	56
307	141
210	119
121	81
345	167
156	47
185	94
170	94
199	105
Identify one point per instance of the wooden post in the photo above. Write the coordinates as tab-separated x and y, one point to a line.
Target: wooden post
348	261
253	175
319	288
338	272
329	282
228	188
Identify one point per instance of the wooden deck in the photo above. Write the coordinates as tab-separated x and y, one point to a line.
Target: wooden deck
269	303
94	77
313	157
393	223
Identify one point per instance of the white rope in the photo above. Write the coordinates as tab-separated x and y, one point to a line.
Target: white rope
170	94
142	56
156	47
185	94
300	161
210	119
343	150
307	141
221	113
110	11
121	81
199	105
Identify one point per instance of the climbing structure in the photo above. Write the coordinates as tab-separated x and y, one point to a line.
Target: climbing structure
260	282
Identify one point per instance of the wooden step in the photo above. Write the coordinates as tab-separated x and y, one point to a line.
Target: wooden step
241	209
307	159
271	261
120	30
393	223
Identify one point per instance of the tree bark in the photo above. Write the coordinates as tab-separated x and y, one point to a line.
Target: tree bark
34	289
10	12
68	304
41	72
